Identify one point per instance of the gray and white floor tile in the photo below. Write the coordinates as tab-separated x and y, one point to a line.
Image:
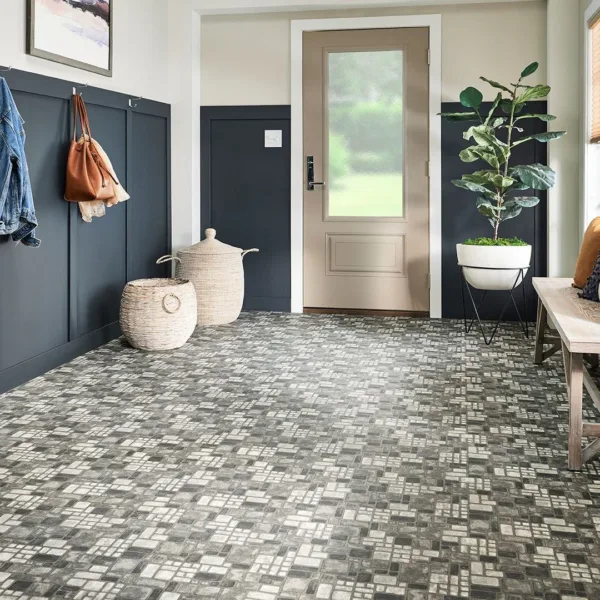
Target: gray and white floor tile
294	458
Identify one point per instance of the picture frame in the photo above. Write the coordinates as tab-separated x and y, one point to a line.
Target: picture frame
60	30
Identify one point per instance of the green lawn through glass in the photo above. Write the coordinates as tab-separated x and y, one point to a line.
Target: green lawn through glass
365	113
367	195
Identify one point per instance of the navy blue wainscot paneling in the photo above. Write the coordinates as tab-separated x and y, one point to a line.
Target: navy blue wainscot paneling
246	195
61	300
34	293
149	220
102	244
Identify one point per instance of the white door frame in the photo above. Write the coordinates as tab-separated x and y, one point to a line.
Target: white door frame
298	27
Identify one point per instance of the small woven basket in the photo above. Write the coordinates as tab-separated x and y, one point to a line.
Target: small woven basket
158	314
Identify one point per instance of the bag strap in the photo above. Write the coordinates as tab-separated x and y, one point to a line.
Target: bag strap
85	121
80	112
75	115
80	116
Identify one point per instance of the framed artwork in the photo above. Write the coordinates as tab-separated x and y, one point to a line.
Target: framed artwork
78	33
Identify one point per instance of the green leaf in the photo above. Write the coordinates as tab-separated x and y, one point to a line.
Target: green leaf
471	97
495	84
480	177
490	148
493	109
530	69
488	138
469	185
482	134
468	156
510	212
490	178
537	92
503	182
485	207
499	121
526	201
491	159
506	106
473	153
547	136
458	117
540	117
536	176
518	185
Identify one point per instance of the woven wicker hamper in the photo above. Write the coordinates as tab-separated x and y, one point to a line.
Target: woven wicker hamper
217	272
158	314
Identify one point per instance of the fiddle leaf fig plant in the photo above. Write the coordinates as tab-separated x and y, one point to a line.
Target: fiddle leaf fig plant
502	187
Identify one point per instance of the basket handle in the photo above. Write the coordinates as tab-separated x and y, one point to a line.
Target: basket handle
167	258
251	250
166	308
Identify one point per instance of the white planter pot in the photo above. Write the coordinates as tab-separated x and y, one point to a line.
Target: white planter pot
507	258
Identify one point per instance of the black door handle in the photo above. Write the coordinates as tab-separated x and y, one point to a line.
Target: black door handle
310	174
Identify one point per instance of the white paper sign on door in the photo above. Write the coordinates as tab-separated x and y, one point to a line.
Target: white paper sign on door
273	138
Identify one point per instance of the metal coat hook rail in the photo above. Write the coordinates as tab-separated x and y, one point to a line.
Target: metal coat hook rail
133	102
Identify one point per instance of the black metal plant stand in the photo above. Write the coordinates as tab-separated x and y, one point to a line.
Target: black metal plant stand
477	305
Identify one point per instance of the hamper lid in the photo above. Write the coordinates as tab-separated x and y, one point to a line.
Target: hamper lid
212	246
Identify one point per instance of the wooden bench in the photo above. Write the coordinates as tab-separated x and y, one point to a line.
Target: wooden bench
577	334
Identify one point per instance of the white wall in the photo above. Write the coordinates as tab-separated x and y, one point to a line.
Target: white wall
140	49
184	84
246	58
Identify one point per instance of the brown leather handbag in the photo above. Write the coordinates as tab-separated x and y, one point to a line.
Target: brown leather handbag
88	178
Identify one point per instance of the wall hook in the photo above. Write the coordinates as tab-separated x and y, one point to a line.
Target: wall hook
83	85
131	101
6	70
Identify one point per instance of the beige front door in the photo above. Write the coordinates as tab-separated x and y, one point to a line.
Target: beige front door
366	185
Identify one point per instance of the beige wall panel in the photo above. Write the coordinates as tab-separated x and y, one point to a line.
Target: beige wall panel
246	58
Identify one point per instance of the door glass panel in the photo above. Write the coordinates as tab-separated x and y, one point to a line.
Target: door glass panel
365	137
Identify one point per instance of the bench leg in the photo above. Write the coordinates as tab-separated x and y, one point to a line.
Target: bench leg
574	377
542	320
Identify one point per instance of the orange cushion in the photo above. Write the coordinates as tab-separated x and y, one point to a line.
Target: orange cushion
588	255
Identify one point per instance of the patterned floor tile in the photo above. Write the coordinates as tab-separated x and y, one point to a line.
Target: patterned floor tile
298	458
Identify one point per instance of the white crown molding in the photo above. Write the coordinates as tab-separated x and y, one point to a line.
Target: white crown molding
224	7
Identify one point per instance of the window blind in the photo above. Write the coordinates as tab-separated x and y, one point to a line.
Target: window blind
595	125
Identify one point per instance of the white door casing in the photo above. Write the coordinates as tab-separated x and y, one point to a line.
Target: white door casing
298	27
366	231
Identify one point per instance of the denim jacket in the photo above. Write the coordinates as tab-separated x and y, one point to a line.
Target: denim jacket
17	213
